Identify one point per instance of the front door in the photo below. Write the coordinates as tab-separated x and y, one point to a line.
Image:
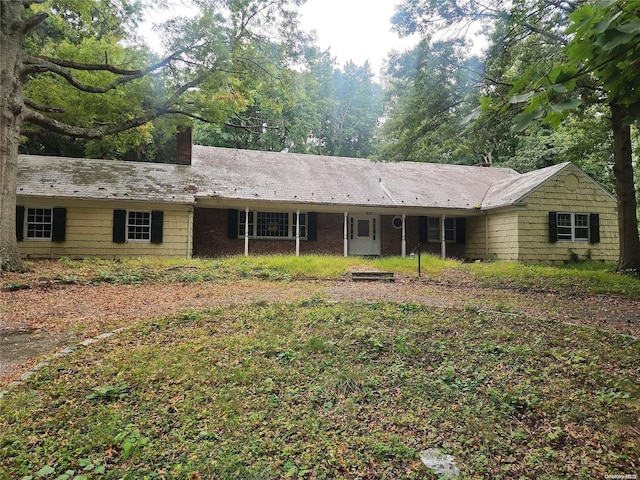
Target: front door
364	235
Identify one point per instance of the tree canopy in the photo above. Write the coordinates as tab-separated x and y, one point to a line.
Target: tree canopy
551	61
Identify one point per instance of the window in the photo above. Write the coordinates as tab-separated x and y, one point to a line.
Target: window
303	225
433	230
39	223
573	227
455	229
363	228
271	224
137	226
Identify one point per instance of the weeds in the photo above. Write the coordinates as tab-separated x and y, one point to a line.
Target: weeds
322	390
588	277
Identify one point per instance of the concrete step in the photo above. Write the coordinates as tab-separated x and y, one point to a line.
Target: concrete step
372	276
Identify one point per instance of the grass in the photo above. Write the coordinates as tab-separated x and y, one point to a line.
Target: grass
318	390
582	278
587	278
322	390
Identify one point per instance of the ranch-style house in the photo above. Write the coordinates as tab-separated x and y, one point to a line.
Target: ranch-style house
220	201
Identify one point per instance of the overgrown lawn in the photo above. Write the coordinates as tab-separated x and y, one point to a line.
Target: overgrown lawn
323	390
582	278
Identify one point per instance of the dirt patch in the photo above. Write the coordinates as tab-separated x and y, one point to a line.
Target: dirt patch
41	319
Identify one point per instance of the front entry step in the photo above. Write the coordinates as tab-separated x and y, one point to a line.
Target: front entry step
372	276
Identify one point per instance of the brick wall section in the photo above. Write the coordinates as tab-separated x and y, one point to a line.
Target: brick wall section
184	141
210	237
392	239
210	234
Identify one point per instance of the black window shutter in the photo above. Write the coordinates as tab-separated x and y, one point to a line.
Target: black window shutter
157	220
19	223
423	229
119	226
312	226
59	225
232	231
594	228
553	227
461	230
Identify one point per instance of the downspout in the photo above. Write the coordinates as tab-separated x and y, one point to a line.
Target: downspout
345	242
298	233
404	237
246	232
443	243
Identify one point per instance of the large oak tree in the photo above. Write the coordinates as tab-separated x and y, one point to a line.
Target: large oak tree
201	79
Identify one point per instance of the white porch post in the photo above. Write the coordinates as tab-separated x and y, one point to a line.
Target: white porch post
404	237
246	232
346	230
443	243
298	233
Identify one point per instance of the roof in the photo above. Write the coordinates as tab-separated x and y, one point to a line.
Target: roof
301	178
249	175
83	178
514	190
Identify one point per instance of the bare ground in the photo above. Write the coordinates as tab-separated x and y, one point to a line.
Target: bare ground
42	319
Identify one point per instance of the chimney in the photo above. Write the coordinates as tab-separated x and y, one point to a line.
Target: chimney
183	146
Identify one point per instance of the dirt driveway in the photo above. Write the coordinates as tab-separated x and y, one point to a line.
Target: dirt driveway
46	317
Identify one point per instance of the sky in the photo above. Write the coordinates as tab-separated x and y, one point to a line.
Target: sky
356	30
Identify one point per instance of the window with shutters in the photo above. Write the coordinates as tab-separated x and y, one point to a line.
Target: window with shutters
39	223
139	226
572	227
433	230
271	224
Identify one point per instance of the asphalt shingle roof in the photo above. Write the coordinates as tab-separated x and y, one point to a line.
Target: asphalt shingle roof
514	190
104	179
282	177
251	175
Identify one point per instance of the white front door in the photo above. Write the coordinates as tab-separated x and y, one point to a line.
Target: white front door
363	234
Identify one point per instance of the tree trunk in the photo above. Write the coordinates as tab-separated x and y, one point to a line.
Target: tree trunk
11	103
625	191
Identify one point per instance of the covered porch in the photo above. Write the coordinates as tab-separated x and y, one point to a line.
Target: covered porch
260	228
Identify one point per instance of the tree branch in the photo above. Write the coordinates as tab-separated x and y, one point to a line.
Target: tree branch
539	31
34	21
40	64
42	108
56	126
105	66
33	116
188	114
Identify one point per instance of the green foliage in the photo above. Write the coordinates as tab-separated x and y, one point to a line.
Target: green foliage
109	392
131	441
606	46
431	90
582	277
331	390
